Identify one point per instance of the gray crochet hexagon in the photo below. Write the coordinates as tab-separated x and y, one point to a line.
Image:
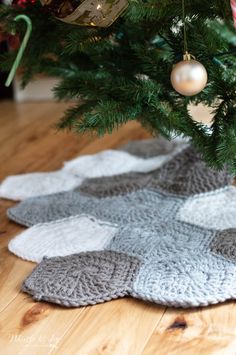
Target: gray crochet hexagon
82	279
184	175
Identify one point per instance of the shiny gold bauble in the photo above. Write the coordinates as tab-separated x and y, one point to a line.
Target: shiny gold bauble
101	13
188	77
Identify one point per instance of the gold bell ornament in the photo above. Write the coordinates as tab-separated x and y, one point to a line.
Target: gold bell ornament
188	77
101	13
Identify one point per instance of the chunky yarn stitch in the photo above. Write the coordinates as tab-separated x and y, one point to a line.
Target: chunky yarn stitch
20	187
85	233
64	237
213	210
174	264
160	239
184	175
147	148
106	163
189	279
115	186
158	244
141	206
187	174
82	279
183	265
111	162
225	244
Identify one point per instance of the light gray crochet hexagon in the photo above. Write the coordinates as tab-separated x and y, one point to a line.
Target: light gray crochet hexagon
160	239
142	206
188	279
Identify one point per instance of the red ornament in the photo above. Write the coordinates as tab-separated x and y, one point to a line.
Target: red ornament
233	7
23	3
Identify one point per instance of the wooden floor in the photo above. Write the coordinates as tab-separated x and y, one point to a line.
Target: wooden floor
29	143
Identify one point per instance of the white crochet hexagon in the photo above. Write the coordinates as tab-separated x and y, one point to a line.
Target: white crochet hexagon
216	210
114	162
63	237
22	186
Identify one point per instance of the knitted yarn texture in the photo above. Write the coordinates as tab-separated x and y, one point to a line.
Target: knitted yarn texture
214	210
106	163
183	265
85	233
63	237
174	264
20	187
165	236
112	162
147	148
82	279
141	206
184	175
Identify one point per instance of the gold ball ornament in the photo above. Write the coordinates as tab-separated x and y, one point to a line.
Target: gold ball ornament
100	13
188	77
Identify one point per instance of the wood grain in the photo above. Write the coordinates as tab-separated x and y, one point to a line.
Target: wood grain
115	328
28	142
209	330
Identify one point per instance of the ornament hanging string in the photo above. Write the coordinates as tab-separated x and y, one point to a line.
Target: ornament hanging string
184	27
22	48
187	55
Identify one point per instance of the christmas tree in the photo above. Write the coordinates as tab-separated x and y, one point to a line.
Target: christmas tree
122	72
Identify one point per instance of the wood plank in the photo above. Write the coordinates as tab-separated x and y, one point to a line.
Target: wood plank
210	330
39	147
114	328
29	327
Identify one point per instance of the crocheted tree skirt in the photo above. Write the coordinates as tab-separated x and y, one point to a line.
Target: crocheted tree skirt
165	235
